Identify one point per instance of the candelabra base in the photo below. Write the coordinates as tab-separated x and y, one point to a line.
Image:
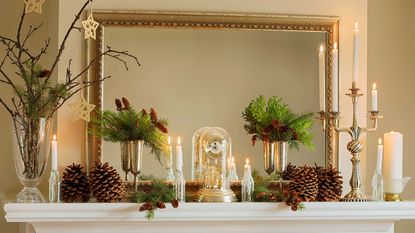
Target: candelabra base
392	197
355	196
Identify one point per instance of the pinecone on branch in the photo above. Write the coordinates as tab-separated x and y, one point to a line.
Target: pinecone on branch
289	172
106	183
305	183
329	184
75	184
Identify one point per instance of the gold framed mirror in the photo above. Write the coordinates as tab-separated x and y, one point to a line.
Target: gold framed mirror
134	27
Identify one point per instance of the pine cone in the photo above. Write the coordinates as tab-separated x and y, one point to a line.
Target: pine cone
289	172
75	184
126	103
153	116
106	183
305	183
329	184
118	104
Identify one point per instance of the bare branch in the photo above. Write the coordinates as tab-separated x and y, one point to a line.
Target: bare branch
62	46
31	31
7	107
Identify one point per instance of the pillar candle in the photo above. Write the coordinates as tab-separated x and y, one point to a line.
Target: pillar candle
335	79
374	98
379	155
393	160
322	78
179	156
356	47
54	154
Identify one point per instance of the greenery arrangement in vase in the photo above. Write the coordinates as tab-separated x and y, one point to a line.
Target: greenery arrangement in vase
133	130
273	121
278	127
37	97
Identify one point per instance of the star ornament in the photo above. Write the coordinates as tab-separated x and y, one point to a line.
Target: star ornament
82	109
33	6
90	27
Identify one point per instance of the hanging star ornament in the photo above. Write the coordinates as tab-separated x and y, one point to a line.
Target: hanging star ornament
82	109
33	6
90	27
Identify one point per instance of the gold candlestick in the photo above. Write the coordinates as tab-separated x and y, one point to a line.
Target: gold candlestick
355	146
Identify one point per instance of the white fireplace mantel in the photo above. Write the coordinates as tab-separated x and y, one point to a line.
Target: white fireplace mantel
212	217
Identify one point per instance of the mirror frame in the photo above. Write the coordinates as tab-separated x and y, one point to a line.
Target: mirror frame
219	21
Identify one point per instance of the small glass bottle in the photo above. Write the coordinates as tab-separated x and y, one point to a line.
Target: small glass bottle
180	187
377	186
54	187
247	184
377	179
233	176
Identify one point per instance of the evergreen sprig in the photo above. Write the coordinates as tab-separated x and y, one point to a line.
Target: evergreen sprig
127	124
272	120
155	197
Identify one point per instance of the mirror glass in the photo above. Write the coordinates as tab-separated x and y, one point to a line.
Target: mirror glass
198	78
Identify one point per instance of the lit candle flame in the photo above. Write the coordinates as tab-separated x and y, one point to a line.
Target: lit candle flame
380	141
321	48
335	45
169	140
178	141
232	159
54	138
356	25
247	161
374	86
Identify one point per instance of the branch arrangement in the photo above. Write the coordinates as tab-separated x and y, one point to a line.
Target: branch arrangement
35	97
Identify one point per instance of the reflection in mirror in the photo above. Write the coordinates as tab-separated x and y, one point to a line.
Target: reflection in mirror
198	78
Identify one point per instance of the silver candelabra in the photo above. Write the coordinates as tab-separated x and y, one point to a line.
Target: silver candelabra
355	146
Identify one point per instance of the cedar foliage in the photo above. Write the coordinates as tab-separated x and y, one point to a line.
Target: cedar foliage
272	120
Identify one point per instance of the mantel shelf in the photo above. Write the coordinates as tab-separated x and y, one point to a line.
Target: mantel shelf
125	216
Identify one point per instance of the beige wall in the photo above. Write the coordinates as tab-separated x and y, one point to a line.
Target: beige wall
391	64
10	12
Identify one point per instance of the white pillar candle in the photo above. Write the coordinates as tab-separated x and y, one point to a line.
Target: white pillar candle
374	98
335	79
54	154
379	155
393	160
179	156
322	78
170	155
356	48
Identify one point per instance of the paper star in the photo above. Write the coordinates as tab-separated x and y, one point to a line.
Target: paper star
90	27
33	6
82	109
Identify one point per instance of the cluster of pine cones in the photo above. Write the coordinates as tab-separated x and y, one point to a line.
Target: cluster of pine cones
104	183
314	183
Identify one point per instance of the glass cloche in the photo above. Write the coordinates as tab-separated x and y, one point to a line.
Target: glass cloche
210	164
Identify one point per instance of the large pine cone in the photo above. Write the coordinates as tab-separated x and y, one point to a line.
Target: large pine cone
75	184
106	183
289	172
305	183
329	184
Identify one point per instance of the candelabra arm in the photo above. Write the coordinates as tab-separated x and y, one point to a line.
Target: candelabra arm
374	116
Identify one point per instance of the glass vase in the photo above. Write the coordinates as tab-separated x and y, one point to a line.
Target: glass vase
32	140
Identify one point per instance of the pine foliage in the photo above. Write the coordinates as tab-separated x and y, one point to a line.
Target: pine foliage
272	120
129	125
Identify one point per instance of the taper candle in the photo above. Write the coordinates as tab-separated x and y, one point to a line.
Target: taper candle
54	154
393	169
379	155
170	156
374	98
335	79
356	48
179	156
322	78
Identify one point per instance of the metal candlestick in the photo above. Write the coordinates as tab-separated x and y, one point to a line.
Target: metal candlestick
355	146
